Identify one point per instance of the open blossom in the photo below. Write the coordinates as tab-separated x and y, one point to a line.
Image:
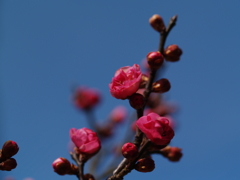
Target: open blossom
126	81
86	98
85	140
156	128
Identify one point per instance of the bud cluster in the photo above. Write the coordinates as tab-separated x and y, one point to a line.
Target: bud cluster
9	149
153	126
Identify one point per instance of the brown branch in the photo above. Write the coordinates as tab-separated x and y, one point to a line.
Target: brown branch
164	34
123	168
130	166
80	164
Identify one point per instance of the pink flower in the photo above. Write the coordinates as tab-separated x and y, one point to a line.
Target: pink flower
85	140
156	128
86	98
118	114
126	81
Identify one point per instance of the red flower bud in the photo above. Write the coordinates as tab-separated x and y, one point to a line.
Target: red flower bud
88	177
172	153
137	101
157	23
9	149
129	151
145	165
8	165
172	53
155	60
86	98
61	166
161	86
105	131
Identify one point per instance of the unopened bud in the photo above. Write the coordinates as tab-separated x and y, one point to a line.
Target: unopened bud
172	153
172	53
136	101
86	98
118	114
61	166
155	60
144	81
88	177
105	131
161	86
8	165
129	151
157	23
145	165
9	149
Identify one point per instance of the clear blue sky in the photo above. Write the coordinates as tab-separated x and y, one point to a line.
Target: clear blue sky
46	46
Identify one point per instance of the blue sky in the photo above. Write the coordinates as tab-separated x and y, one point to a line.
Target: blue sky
48	46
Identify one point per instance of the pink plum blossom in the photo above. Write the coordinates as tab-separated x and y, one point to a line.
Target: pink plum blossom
156	128
85	140
126	81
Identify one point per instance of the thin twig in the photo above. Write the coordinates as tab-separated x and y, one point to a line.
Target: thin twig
80	164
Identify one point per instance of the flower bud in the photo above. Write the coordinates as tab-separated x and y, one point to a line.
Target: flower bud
144	81
105	131
8	165
86	98
137	101
88	177
155	60
9	149
172	153
129	151
172	53
61	166
161	86
157	23
118	114
145	165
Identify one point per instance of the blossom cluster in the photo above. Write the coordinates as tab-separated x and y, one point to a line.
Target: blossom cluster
152	124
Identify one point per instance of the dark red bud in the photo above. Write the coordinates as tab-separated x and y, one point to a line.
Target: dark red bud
155	60
172	153
136	101
9	149
88	177
172	53
61	166
129	151
161	86
145	165
8	165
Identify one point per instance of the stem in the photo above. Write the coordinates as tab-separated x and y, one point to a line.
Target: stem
164	34
80	164
131	165
120	172
91	119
